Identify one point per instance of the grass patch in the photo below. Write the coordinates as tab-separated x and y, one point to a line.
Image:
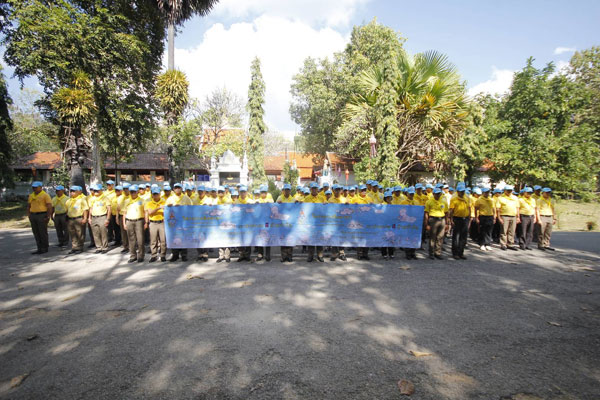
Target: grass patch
13	214
577	216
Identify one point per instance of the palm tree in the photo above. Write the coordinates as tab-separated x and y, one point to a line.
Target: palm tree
179	11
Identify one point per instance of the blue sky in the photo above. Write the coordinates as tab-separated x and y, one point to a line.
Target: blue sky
487	40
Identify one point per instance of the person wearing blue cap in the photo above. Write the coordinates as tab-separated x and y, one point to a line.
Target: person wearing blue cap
496	193
100	211
263	198
459	216
190	190
313	197
436	215
508	216
286	197
59	211
474	225
77	217
537	192
121	213
529	215
409	200
545	206
388	251
110	194
133	221
114	216
244	251
176	199
485	216
375	196
154	222
39	211
299	195
337	198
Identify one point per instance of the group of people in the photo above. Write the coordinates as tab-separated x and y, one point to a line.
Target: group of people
132	216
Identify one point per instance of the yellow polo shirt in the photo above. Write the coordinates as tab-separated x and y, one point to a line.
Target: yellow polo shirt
260	200
134	208
283	199
76	206
98	205
174	200
485	205
309	198
39	202
247	200
337	200
60	204
121	203
225	200
527	206
398	199
508	205
114	204
436	208
408	202
358	199
545	206
461	206
153	205
420	199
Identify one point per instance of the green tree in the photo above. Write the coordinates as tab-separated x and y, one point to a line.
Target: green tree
256	124
222	110
6	155
172	93
118	44
290	175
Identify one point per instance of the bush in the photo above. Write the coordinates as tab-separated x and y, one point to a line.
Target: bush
275	192
591	225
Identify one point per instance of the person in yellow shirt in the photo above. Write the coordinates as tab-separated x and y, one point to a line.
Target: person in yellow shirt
474	225
485	216
121	210
314	197
154	221
77	215
508	215
39	211
110	194
436	213
114	216
100	211
459	216
222	199
167	193
263	197
429	191
545	206
243	198
398	195
351	194
299	194
133	220
409	200
59	210
286	197
144	192
529	217
362	197
176	199
190	190
388	252
337	198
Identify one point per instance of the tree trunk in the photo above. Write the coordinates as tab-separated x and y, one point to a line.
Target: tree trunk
171	38
96	175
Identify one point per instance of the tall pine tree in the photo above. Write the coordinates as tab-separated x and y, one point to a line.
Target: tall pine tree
256	125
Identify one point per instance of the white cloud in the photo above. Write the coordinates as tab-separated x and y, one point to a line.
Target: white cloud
561	50
329	12
498	84
224	55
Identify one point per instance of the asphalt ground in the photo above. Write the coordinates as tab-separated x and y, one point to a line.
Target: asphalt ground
500	325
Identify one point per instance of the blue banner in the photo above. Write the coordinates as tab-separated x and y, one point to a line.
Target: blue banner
294	224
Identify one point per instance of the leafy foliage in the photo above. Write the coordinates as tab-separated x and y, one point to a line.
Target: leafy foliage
222	109
256	124
6	154
172	93
179	11
290	175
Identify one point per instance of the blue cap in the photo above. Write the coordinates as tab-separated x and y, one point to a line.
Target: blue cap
537	187
328	191
200	188
59	187
369	182
477	191
126	185
226	186
118	187
110	182
166	184
352	188
185	186
528	190
243	188
429	186
234	192
313	185
155	190
305	191
142	186
497	190
451	189
191	186
167	188
298	187
256	191
133	188
237	185
546	190
461	187
177	185
397	189
439	185
154	185
74	188
325	184
36	184
485	189
374	183
221	189
263	188
96	187
388	194
287	186
446	187
411	190
509	187
437	190
362	187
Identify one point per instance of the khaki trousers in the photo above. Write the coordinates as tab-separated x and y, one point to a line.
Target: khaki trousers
437	228
224	253
124	235
62	230
100	232
336	251
77	233
157	238
135	234
546	223
507	235
39	226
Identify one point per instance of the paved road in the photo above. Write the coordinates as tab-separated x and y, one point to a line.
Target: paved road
499	325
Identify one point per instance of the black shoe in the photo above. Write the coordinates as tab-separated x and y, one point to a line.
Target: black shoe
228	260
173	258
98	251
183	258
267	258
152	259
124	251
391	257
430	257
309	259
513	248
36	252
320	259
528	248
220	259
343	257
163	259
72	252
542	248
462	257
91	246
502	247
103	251
550	248
385	257
132	260
140	260
333	258
456	257
238	260
439	257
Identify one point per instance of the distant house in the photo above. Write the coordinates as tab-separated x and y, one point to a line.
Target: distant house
306	164
39	166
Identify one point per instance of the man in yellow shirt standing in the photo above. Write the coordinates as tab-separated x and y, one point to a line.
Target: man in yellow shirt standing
133	220
59	209
409	200
176	199
121	210
286	197
529	216
100	212
314	197
485	215
436	213
547	219
263	197
39	211
77	215
337	198
114	216
459	216
154	222
362	197
508	215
